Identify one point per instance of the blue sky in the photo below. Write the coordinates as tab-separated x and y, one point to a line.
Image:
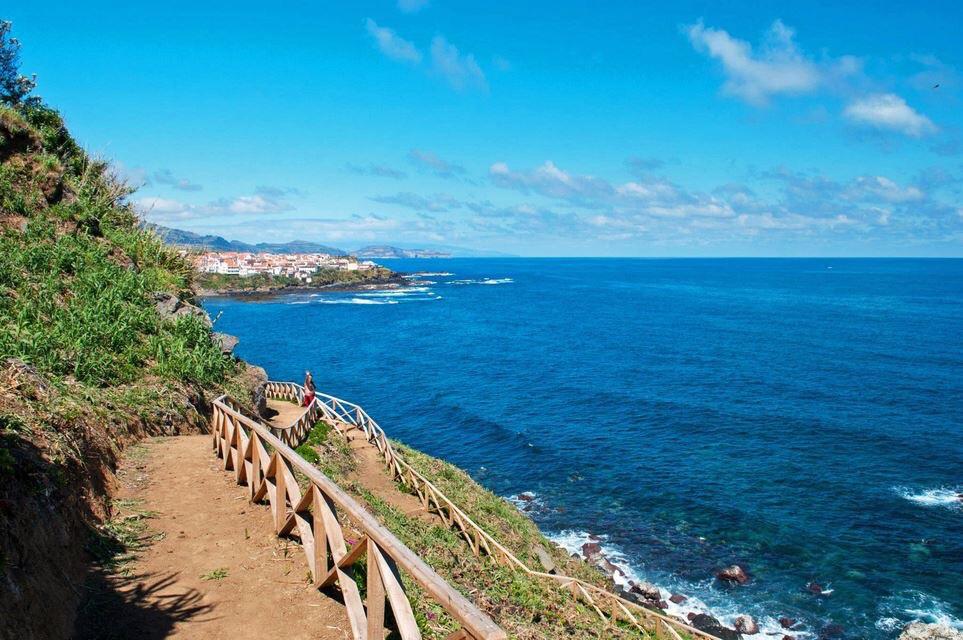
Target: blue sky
534	129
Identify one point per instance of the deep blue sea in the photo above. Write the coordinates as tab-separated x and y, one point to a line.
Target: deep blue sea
803	418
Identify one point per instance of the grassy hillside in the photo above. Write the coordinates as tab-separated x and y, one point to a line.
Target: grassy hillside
88	363
528	608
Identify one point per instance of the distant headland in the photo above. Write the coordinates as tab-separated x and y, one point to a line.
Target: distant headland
182	238
189	239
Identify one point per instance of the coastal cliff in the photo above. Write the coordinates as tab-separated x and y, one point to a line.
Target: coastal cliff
91	361
103	344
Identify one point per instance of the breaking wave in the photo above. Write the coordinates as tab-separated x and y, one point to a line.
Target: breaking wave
942	497
482	281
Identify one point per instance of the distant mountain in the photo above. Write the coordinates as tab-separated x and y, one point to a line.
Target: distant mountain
386	251
190	239
218	243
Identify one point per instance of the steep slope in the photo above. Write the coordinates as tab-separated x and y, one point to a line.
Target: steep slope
99	346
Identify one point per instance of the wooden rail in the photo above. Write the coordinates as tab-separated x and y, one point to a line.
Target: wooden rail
267	465
609	606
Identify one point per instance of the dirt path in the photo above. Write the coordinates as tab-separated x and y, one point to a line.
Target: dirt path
371	472
288	412
215	570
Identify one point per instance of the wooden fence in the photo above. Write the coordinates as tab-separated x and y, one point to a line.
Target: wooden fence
609	606
266	463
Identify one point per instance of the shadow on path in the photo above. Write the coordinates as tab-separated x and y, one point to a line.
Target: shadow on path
143	606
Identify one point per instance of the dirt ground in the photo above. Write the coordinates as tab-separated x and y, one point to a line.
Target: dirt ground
214	570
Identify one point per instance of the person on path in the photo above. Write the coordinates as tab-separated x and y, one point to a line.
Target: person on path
308	389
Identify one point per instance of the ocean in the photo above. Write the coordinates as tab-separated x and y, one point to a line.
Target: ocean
800	417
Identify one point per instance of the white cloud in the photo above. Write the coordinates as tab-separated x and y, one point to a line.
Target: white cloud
890	112
265	200
166	177
876	188
391	44
412	6
778	67
461	71
549	180
162	207
253	204
437	165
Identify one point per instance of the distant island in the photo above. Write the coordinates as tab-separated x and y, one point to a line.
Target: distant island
386	251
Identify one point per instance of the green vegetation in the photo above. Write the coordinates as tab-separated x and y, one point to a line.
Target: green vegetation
90	363
77	274
316	438
261	282
215	574
528	608
122	536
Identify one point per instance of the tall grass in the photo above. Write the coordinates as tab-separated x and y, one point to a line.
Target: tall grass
76	283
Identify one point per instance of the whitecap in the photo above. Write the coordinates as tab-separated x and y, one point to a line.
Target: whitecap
726	612
915	606
482	281
941	497
357	301
395	293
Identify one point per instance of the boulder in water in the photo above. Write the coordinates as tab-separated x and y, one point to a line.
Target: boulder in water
646	590
677	598
733	574
924	631
592	551
746	625
705	622
787	623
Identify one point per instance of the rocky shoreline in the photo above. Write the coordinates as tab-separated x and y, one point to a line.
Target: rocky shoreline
657	599
395	281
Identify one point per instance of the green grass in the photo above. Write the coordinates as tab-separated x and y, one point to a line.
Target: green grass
317	437
528	608
120	538
215	574
76	284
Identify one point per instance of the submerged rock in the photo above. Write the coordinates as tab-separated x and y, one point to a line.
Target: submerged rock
746	625
832	631
733	574
787	623
705	622
924	631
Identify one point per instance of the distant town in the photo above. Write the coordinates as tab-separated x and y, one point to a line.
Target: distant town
301	266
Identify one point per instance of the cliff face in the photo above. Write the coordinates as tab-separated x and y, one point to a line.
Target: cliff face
88	363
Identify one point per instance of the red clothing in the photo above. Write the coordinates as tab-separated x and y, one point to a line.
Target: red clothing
308	398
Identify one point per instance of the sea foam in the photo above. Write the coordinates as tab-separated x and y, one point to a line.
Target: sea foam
726	612
941	497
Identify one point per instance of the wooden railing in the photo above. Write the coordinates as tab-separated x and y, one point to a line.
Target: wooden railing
293	434
267	465
608	605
